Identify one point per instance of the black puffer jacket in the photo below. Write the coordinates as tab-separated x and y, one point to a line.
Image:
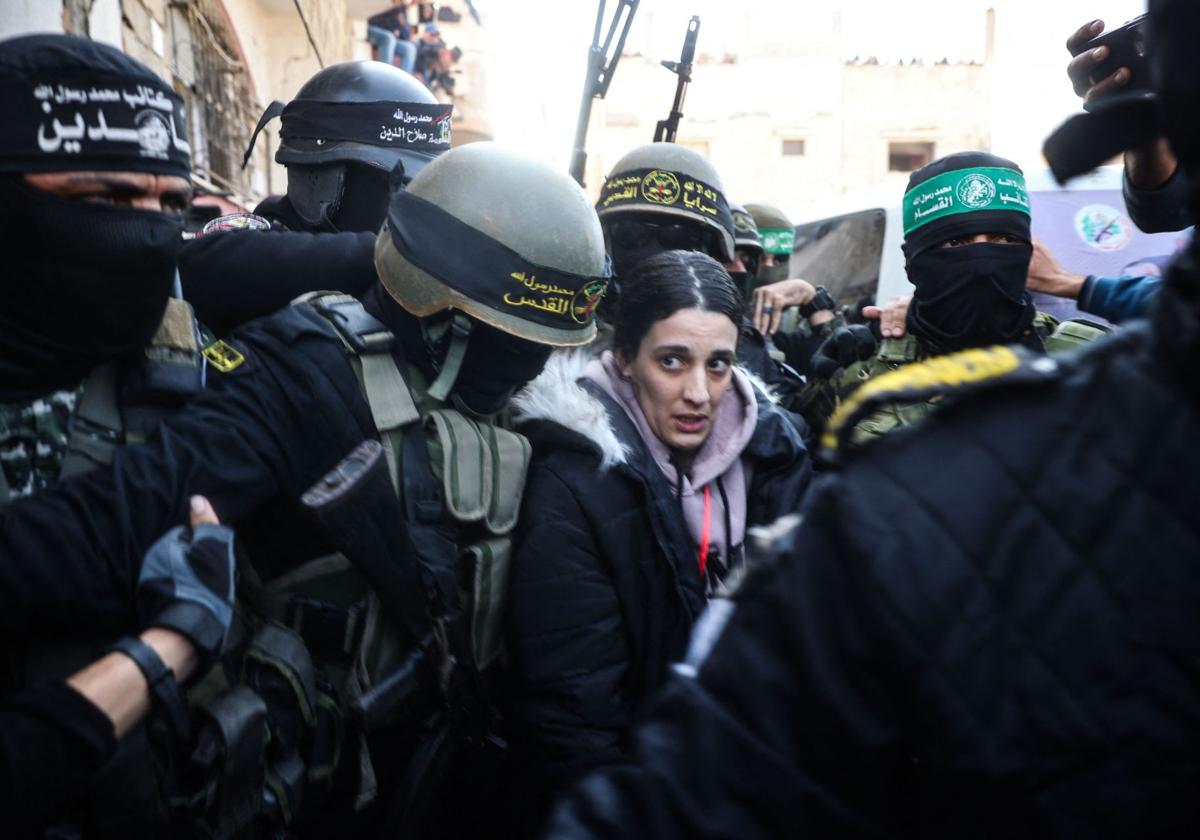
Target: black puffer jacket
605	583
988	626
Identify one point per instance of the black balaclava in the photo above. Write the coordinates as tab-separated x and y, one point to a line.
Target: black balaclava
338	197
972	295
81	283
496	364
685	234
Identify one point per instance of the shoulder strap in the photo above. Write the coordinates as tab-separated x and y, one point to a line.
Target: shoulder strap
371	344
952	375
96	428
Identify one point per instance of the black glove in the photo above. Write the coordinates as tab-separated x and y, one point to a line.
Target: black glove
822	300
186	585
845	346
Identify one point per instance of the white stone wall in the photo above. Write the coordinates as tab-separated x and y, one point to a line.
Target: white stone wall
792	83
20	17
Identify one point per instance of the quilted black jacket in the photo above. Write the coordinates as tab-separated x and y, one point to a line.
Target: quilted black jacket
987	627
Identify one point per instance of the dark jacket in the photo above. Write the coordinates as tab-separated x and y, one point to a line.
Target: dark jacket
233	277
1160	210
605	584
261	434
52	742
987	626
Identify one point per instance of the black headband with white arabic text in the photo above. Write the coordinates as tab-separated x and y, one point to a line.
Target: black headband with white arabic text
654	189
419	126
55	123
489	272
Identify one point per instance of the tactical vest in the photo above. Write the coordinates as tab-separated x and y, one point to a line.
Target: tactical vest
1047	332
319	668
123	402
119	403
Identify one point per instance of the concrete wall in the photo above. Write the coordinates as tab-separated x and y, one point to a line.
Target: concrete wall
20	17
144	33
948	105
279	57
793	84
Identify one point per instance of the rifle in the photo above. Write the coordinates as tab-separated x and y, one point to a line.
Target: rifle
666	129
357	504
601	66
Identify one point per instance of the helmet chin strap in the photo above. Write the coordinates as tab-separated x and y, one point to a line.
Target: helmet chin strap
460	335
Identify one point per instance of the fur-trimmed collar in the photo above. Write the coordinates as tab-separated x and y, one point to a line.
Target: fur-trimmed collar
556	395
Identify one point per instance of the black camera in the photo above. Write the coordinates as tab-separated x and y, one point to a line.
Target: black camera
1126	48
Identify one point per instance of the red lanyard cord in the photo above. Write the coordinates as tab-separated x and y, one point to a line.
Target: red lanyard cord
705	531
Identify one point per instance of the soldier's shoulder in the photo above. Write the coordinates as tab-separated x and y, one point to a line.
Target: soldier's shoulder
291	335
950	378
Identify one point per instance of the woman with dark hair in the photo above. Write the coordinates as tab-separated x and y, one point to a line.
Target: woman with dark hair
649	464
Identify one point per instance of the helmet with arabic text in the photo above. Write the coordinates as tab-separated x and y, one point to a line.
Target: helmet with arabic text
349	126
502	237
745	229
673	181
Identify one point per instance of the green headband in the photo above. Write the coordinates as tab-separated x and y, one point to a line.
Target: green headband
965	191
777	240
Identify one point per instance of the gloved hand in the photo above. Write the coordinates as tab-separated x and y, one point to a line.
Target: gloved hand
187	582
845	346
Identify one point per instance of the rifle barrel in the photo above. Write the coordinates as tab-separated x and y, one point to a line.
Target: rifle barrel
666	130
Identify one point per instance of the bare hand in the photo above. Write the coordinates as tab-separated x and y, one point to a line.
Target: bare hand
1084	61
1048	276
769	302
892	317
202	512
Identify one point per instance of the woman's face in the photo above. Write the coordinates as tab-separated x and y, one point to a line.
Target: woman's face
681	373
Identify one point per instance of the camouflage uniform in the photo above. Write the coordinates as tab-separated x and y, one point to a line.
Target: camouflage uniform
823	397
33	441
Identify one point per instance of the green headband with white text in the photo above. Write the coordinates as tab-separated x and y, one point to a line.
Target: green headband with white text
965	191
777	240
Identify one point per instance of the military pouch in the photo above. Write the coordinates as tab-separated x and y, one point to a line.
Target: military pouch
486	567
172	368
230	759
1070	335
277	666
482	469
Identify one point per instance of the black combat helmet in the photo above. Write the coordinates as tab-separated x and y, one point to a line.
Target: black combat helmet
346	129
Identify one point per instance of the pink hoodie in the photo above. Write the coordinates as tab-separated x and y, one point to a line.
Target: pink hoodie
719	457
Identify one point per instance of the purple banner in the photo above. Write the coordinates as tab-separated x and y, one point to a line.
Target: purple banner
1089	232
